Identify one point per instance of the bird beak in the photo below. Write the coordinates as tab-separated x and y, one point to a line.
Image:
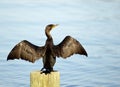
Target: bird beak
55	25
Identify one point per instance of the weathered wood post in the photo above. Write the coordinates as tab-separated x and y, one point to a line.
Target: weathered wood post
38	79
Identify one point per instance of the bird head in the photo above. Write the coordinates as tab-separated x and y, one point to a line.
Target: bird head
50	27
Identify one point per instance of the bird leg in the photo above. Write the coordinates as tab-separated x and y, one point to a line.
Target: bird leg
42	69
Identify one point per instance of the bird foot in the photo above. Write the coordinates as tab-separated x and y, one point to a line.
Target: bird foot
46	71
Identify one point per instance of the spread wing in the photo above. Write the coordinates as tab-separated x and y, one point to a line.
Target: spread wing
68	47
26	51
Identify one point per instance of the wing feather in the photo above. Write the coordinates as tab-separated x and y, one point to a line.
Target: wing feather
26	51
68	47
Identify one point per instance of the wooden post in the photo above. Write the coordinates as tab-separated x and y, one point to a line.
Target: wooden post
38	79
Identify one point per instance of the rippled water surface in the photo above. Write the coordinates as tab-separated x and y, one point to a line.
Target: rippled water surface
95	23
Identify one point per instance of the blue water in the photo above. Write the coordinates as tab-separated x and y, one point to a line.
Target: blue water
95	23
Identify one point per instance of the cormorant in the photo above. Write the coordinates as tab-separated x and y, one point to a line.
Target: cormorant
30	52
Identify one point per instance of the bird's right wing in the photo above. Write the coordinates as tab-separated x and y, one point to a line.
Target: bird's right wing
26	51
68	47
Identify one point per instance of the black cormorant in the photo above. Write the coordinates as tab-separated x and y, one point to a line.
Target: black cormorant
30	52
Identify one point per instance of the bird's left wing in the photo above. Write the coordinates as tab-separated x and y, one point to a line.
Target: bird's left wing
68	47
26	51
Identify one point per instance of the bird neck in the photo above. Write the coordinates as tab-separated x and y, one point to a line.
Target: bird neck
48	35
47	32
